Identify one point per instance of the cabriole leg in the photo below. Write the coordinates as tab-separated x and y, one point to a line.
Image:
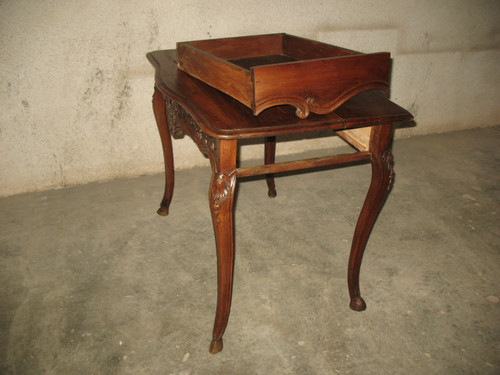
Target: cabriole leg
159	109
221	196
382	177
269	157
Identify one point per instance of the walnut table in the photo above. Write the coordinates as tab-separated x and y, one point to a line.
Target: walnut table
184	105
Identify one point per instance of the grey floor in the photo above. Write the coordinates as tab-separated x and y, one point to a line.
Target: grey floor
92	281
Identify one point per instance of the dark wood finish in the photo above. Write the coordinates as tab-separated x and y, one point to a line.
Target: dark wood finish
221	196
186	106
269	157
381	182
220	116
262	71
159	109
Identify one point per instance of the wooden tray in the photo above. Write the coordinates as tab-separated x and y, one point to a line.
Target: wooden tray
263	71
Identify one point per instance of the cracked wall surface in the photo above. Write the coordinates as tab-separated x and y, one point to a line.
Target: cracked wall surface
75	86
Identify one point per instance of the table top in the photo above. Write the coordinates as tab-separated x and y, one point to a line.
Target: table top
221	116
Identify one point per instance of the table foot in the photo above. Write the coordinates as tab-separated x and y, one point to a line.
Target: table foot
216	346
162	211
271	193
357	304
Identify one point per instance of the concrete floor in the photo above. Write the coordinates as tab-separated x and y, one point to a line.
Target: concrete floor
92	281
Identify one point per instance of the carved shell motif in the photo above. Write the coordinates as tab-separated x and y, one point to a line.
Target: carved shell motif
221	192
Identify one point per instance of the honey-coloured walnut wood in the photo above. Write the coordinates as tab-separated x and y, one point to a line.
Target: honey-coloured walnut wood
359	138
262	71
184	105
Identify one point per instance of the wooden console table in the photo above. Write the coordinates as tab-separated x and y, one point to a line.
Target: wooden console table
184	105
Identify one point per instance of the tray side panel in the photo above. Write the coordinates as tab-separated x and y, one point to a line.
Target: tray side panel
221	117
320	86
240	47
228	78
306	49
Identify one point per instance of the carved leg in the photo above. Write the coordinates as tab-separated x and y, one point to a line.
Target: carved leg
382	176
159	109
221	197
269	157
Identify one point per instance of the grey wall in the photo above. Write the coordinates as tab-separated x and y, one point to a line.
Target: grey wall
75	87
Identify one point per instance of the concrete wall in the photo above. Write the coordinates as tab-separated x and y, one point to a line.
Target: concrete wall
75	87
